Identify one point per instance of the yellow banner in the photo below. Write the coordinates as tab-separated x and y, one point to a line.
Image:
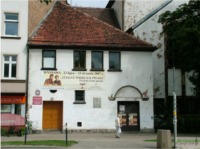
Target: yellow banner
76	80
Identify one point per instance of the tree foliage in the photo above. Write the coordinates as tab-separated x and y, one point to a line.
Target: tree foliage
182	31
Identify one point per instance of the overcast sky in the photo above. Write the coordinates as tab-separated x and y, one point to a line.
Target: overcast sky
89	3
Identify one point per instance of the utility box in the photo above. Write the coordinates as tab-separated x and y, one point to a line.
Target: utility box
164	139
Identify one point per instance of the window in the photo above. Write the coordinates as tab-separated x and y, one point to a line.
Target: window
79	97
5	108
114	61
97	60
49	59
10	66
79	60
18	109
11	24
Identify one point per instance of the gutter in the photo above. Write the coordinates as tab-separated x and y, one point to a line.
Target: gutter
149	16
149	48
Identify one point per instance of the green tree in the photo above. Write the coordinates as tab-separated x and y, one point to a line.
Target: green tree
182	31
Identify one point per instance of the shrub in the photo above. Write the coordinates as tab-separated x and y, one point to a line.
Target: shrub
3	132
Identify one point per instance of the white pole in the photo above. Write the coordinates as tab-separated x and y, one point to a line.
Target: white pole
174	110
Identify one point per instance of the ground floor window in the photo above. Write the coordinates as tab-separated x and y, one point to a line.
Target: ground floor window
80	97
18	109
5	108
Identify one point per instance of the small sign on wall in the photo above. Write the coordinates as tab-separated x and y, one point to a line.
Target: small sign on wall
37	100
96	102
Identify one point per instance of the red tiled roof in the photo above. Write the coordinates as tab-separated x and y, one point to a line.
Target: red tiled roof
69	27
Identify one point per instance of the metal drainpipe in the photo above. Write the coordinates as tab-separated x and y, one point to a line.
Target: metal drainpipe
123	15
27	80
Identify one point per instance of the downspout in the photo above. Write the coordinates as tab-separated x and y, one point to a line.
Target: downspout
123	15
26	106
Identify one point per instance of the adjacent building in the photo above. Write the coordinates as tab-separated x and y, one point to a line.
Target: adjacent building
14	33
141	19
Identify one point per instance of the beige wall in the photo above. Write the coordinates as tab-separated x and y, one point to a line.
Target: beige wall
13	87
37	11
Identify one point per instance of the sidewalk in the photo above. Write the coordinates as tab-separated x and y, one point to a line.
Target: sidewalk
106	140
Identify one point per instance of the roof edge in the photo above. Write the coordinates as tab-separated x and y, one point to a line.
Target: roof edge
149	15
110	3
88	47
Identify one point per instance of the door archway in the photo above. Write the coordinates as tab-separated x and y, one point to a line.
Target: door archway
128	91
128	107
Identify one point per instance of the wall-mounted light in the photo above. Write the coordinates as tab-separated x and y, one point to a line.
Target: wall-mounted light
111	98
53	91
37	92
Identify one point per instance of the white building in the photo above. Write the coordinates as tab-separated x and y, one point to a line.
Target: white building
14	33
140	18
102	70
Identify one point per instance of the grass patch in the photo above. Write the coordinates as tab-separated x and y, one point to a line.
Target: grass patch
41	142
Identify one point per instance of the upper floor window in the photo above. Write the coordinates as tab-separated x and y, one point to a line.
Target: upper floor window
79	60
11	24
97	60
49	59
10	66
114	61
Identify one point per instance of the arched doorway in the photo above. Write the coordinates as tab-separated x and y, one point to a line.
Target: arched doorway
128	107
129	115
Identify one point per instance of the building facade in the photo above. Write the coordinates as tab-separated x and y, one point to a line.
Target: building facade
140	18
14	33
83	72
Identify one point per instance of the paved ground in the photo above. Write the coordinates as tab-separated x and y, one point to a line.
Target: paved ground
104	140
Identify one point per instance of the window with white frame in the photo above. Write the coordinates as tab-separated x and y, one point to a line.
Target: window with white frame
11	24
49	59
10	66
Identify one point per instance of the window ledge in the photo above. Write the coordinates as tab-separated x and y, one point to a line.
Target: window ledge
10	37
79	102
114	70
53	69
13	80
96	69
79	69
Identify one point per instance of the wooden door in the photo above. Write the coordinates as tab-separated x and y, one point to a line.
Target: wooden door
52	115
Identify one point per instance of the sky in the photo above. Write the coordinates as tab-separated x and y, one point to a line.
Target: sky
89	3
